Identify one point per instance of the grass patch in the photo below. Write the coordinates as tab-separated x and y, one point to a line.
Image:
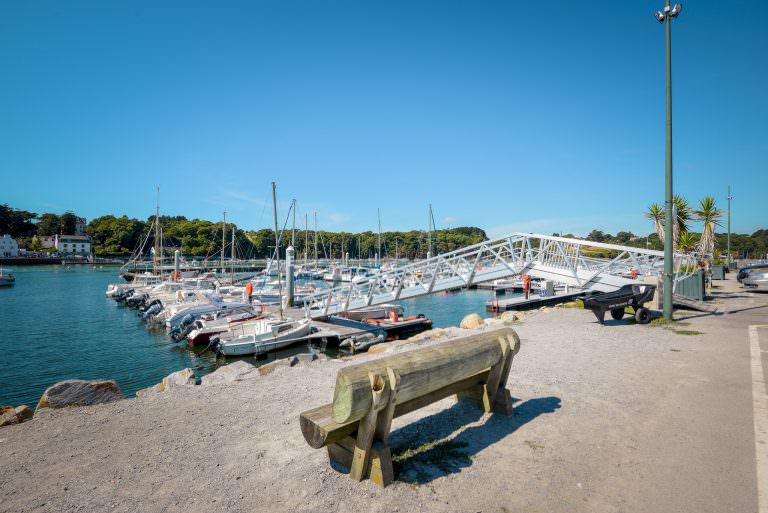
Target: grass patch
688	332
574	304
661	321
675	350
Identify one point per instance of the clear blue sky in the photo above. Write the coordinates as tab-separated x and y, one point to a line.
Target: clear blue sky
533	116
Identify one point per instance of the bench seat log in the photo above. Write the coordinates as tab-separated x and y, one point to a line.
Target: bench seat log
440	365
355	426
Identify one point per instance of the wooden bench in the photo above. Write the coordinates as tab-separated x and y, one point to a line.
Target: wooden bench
355	426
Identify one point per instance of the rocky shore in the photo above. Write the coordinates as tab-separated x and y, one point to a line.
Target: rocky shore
600	410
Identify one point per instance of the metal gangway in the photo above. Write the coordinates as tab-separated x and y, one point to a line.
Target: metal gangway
563	260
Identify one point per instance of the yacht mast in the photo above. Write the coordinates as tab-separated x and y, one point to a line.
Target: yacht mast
223	235
157	232
378	239
233	254
306	237
277	250
315	238
429	232
293	230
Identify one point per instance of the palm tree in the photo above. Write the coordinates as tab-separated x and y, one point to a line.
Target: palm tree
687	243
683	216
710	216
656	213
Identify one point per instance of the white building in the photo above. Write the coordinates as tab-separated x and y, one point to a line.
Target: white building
8	246
73	244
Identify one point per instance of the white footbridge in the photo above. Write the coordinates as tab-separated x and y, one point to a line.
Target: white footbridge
563	260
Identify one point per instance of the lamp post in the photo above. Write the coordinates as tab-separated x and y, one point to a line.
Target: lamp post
663	17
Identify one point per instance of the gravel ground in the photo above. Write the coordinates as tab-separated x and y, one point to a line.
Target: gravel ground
615	418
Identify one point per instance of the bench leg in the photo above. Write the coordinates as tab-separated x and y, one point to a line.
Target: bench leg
340	453
381	472
368	427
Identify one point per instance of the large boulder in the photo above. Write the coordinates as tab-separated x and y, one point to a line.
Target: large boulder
8	416
23	412
78	392
228	373
180	378
471	322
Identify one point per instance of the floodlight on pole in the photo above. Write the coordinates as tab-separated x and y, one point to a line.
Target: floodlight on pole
667	16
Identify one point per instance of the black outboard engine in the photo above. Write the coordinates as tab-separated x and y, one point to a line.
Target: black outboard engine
123	295
154	308
181	331
136	301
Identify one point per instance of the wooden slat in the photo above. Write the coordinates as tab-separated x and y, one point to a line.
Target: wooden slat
428	369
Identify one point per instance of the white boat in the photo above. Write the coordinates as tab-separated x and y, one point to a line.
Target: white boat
265	336
199	308
6	278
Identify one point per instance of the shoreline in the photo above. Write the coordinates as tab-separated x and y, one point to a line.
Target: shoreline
619	417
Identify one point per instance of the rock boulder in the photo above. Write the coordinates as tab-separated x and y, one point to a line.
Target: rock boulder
78	392
471	322
180	378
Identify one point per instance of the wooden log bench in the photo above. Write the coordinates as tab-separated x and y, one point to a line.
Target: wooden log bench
355	426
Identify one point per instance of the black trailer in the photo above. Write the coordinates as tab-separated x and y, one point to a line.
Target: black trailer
615	302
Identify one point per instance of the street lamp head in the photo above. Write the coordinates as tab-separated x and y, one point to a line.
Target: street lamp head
659	16
676	10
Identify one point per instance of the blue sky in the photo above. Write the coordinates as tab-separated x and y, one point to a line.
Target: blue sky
530	116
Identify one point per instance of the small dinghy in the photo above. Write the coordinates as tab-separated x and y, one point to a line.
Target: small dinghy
265	336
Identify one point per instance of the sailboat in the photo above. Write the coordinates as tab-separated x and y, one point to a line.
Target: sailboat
6	278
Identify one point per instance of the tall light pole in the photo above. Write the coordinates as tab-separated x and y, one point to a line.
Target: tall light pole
662	17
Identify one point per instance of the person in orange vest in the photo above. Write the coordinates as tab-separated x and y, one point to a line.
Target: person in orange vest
249	291
526	284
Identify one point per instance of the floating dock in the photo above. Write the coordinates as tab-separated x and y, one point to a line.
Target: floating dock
533	301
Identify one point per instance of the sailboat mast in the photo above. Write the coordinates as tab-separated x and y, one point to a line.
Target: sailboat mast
306	237
429	232
277	250
157	231
378	239
293	229
223	235
315	238
233	253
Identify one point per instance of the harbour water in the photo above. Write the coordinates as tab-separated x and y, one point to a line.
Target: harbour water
56	324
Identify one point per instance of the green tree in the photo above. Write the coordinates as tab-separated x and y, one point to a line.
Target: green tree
709	215
48	224
68	223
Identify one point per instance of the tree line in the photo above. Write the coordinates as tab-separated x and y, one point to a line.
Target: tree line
120	236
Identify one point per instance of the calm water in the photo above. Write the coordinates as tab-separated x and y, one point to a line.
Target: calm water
56	323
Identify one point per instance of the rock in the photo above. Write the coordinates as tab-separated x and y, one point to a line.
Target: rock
228	373
544	309
8	418
471	322
176	379
385	347
511	316
23	412
432	334
78	392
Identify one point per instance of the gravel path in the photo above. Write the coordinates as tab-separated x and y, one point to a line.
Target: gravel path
618	418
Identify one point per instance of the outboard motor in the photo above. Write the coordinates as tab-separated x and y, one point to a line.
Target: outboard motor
123	295
151	311
144	308
181	331
136	301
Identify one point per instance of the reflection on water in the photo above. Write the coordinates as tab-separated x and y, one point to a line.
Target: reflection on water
56	323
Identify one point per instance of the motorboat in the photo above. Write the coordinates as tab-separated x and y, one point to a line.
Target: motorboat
202	330
177	312
6	278
264	336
